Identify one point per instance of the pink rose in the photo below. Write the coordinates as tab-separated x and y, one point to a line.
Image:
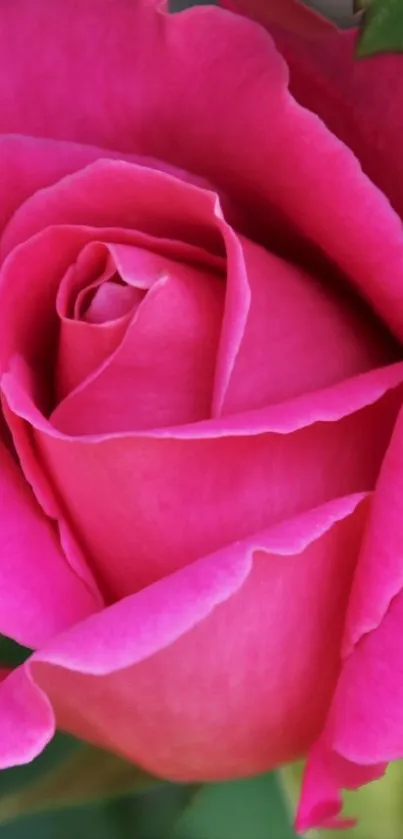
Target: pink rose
201	311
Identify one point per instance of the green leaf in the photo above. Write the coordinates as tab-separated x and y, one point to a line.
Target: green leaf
247	809
87	774
382	29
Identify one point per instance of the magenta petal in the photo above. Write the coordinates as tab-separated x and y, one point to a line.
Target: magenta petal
379	576
260	165
162	372
326	774
349	96
365	725
28	164
111	195
39	592
166	663
116	194
81	348
128	631
253	473
302	333
290	14
94	312
25	710
364	729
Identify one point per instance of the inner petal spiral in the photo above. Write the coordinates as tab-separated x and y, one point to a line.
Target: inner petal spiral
139	335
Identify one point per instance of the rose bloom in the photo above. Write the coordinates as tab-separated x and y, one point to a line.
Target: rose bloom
201	309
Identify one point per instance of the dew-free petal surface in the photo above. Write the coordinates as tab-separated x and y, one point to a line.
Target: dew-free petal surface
364	724
290	14
258	167
303	332
364	728
349	95
237	484
169	663
39	592
163	371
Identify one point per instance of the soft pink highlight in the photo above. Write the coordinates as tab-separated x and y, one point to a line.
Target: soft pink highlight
201	315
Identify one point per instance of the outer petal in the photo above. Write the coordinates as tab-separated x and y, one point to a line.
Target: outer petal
267	166
364	730
379	577
240	481
365	722
290	14
28	164
40	593
303	332
349	95
168	665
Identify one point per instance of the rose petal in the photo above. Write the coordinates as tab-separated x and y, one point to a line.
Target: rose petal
32	329
116	194
64	203
261	167
326	772
28	164
194	215
303	333
163	370
39	592
21	700
34	269
82	348
102	64
152	662
364	729
349	95
254	480
364	725
290	14
379	575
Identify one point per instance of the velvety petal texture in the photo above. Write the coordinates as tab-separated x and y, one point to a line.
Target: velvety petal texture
201	315
205	626
349	95
363	729
40	593
258	167
290	14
